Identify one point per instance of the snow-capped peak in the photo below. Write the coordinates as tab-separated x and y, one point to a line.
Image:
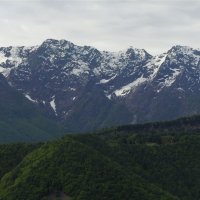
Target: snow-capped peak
181	49
185	55
130	87
135	53
184	50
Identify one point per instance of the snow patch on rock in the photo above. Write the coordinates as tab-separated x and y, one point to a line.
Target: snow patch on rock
3	58
130	87
5	71
104	81
53	105
169	81
154	64
80	67
15	57
30	99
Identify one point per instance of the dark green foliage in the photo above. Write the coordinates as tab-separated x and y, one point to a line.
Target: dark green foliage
172	162
12	154
79	171
141	162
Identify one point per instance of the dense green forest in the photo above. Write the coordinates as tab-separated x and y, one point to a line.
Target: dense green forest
151	162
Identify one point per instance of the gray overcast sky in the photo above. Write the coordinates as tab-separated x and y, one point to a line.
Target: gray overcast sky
154	25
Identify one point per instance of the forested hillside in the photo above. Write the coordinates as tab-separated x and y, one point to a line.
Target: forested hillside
151	162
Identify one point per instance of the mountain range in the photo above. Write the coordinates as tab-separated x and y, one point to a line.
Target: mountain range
87	89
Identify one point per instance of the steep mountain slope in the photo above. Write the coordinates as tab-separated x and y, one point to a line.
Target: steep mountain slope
21	120
174	90
104	88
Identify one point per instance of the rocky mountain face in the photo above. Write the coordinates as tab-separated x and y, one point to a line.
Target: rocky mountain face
85	88
22	120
